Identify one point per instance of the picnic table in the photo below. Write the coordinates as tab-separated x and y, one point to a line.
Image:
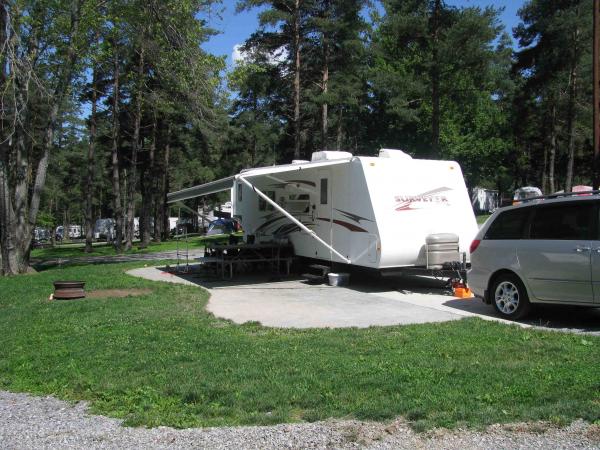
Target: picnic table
221	256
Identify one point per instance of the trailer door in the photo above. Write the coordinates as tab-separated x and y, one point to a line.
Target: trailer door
324	209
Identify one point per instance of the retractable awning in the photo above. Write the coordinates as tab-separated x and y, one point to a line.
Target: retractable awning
225	184
213	187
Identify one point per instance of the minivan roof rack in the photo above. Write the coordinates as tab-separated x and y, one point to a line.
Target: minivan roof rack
559	195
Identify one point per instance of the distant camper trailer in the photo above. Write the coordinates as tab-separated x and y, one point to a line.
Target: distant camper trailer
74	232
525	193
484	201
104	229
41	234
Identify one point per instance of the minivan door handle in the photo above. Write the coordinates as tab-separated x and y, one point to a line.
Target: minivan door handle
580	249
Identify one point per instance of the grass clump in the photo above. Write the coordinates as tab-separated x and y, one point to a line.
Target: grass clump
161	359
482	218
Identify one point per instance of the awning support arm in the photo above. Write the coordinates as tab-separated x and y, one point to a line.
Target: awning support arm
293	219
190	210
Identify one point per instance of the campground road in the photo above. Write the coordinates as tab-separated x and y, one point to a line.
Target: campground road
46	422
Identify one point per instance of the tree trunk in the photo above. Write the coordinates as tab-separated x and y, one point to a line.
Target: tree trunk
21	188
296	45
144	207
435	82
134	152
89	186
254	144
8	252
3	54
157	191
15	157
164	208
148	185
338	140
62	85
116	182
325	82
130	201
596	96
552	152
571	125
53	228
545	172
7	249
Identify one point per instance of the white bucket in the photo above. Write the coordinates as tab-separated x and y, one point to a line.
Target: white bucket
338	279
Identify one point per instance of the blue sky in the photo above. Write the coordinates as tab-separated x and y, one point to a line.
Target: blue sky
235	28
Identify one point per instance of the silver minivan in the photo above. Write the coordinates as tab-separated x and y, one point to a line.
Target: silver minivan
542	251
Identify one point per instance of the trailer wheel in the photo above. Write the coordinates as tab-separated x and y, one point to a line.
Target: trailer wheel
509	297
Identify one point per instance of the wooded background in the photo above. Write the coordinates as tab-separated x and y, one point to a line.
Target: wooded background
108	105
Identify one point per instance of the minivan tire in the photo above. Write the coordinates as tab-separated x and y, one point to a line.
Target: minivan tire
509	297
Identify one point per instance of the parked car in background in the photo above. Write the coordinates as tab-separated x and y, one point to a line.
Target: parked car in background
525	193
545	251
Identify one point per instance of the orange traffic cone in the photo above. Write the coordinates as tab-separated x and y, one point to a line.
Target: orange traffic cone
461	290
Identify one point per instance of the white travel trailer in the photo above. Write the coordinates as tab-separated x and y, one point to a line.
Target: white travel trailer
385	212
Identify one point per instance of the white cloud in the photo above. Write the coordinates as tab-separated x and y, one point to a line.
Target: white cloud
277	56
238	54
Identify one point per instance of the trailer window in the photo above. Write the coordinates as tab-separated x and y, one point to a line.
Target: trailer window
323	191
262	203
239	192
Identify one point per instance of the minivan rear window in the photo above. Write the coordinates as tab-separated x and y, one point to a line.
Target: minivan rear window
570	221
508	225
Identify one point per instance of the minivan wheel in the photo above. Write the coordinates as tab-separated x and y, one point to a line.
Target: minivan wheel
510	297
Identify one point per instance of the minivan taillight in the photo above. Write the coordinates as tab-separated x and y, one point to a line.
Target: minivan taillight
474	245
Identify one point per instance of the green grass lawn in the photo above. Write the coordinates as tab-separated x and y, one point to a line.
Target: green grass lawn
103	249
161	359
482	218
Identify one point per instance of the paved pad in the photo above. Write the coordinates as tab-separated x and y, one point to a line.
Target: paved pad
292	303
295	304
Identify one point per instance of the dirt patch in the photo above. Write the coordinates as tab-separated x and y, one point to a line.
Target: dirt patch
117	293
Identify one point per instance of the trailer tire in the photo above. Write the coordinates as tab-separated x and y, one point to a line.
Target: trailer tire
509	297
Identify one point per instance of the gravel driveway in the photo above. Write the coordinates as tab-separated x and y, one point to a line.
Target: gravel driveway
45	422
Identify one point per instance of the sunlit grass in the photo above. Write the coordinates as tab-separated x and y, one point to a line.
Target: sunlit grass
161	359
69	250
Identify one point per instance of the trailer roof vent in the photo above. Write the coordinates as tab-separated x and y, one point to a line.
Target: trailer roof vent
393	153
329	155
